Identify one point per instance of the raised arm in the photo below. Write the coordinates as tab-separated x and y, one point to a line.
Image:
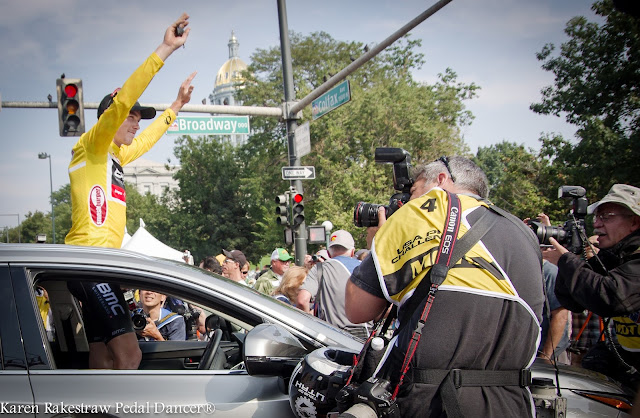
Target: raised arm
184	94
171	42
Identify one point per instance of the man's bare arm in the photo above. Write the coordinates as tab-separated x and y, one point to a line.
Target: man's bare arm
361	306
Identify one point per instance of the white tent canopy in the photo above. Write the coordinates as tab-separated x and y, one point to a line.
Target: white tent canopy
144	243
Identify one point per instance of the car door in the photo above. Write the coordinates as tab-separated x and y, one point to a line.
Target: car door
15	390
148	392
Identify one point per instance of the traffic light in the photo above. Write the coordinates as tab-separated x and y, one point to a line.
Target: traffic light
298	209
70	106
282	210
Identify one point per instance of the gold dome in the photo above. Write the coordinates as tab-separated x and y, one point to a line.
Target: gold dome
230	72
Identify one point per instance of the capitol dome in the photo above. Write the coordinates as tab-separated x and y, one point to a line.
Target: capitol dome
231	70
228	80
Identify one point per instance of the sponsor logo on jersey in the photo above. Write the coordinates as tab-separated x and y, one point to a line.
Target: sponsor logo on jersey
98	205
117	182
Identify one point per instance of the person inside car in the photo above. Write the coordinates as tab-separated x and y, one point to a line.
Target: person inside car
162	324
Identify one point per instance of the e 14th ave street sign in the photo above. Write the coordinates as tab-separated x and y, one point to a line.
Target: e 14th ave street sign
332	99
210	125
299	173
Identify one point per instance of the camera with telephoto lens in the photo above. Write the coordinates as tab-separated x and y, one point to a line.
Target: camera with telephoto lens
570	234
366	214
371	398
139	319
138	316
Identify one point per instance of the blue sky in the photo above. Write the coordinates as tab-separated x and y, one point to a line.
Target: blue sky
491	43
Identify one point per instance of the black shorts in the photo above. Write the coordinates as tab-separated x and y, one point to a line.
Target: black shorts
105	312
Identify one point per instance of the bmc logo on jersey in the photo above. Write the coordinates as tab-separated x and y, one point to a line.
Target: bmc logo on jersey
98	205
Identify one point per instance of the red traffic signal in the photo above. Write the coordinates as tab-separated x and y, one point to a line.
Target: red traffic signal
70	107
71	90
298	209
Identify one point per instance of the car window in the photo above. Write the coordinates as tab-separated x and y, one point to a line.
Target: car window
190	319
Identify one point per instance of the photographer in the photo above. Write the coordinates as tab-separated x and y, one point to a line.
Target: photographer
162	324
481	326
609	284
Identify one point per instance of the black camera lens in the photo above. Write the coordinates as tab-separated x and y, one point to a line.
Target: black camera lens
139	319
545	232
366	214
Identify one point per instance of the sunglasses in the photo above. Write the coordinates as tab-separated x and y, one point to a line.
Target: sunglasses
445	160
606	217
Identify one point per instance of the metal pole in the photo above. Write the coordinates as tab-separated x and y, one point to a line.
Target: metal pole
191	108
53	216
42	156
300	231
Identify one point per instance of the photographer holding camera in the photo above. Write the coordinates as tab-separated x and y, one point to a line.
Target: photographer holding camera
464	347
162	324
608	284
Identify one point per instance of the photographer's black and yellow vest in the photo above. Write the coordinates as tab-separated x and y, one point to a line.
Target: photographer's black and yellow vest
405	256
485	315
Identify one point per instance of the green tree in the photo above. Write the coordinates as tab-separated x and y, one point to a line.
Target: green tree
514	176
35	223
153	210
62	210
211	207
388	109
597	74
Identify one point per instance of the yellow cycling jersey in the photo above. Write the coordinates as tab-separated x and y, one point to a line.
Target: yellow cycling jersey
405	254
98	195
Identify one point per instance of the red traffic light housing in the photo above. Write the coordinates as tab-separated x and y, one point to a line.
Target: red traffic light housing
298	209
70	107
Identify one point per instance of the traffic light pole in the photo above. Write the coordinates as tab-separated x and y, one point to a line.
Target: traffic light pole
300	230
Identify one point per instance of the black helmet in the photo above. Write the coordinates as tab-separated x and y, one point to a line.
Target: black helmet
317	379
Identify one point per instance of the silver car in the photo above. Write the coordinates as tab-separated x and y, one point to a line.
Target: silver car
240	371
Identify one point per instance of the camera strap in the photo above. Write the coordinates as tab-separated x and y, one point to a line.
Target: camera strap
451	250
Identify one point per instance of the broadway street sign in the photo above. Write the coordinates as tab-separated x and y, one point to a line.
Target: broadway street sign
210	125
332	99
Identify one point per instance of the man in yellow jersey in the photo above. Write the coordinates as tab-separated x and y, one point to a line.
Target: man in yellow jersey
482	324
98	196
609	284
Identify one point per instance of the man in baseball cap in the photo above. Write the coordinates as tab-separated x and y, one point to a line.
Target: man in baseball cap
343	239
280	260
608	284
233	264
326	283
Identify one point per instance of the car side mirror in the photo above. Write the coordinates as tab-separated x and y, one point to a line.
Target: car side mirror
271	350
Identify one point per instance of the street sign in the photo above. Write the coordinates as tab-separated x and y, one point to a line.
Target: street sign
332	99
298	173
210	125
303	140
